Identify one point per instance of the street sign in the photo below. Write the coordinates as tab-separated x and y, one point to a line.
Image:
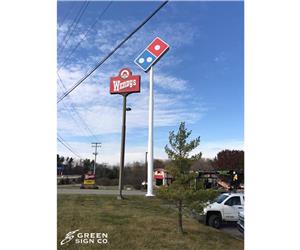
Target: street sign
125	83
154	51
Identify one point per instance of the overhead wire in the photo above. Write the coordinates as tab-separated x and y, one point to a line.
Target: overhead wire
70	32
73	22
92	134
72	29
72	116
67	15
111	53
66	145
85	35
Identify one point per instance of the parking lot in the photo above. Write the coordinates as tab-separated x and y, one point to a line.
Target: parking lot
229	228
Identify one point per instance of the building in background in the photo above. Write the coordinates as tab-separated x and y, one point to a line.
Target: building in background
161	177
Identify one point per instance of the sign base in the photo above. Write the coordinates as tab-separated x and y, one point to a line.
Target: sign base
119	197
149	195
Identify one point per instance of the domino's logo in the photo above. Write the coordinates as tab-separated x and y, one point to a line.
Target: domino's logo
151	54
145	60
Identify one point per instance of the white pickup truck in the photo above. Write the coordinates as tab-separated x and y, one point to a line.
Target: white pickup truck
225	207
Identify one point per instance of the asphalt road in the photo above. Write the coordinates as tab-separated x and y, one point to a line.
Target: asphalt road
232	230
98	191
229	228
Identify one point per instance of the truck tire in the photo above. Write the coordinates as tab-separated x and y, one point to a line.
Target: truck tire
214	221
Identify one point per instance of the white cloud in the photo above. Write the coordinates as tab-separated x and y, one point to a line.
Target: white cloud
221	57
171	83
104	116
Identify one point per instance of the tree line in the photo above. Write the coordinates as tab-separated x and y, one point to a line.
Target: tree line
135	173
225	160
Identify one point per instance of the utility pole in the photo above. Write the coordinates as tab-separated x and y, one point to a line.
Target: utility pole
95	145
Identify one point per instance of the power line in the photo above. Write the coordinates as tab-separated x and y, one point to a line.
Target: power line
85	7
73	118
111	53
77	113
84	36
70	26
65	17
75	23
66	145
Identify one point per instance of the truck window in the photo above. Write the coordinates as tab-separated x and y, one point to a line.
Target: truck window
233	201
221	198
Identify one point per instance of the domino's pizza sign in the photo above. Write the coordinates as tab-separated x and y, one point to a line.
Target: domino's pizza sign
155	50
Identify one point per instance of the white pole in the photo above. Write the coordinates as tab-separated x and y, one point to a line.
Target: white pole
150	138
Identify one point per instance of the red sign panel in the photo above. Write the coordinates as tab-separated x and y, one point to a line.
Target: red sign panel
125	82
157	47
89	176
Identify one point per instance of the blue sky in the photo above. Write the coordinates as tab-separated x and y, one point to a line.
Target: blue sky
200	80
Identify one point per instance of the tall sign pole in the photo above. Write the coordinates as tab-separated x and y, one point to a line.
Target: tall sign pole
146	168
146	60
124	84
150	138
122	155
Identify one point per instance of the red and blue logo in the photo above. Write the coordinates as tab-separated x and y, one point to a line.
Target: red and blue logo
155	50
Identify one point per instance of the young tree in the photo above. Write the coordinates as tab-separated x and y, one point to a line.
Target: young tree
182	190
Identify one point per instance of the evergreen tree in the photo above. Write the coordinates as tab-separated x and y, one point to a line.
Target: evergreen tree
182	191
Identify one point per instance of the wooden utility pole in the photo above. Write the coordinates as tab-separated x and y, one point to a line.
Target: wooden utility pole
95	145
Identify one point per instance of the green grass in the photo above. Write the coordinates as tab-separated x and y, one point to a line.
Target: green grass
135	223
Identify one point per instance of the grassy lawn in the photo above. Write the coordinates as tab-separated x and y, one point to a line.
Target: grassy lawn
134	223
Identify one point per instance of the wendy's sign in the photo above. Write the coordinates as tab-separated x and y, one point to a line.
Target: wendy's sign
125	83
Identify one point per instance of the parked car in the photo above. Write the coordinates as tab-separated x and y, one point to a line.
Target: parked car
241	221
225	208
